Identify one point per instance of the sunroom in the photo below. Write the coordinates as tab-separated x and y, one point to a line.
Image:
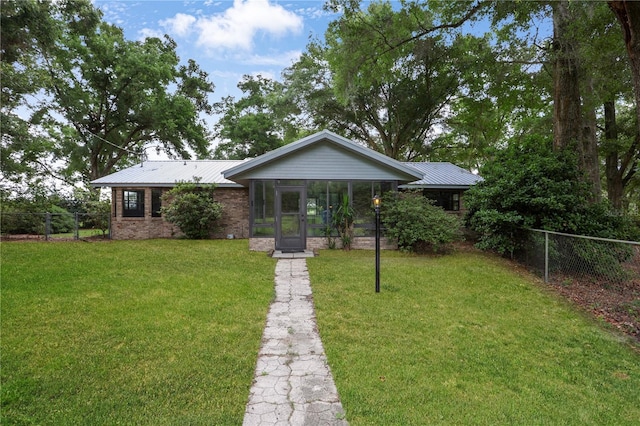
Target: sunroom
295	190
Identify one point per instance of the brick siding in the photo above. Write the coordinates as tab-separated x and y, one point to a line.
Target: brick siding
234	220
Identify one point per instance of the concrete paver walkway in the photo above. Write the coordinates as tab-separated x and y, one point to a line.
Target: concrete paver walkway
293	384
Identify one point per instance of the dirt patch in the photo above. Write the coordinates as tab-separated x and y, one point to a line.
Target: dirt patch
618	305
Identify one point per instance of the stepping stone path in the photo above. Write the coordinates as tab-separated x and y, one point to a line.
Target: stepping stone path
293	384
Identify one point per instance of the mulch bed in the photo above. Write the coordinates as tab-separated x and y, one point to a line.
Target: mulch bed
618	305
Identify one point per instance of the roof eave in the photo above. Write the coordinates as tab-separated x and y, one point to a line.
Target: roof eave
432	186
157	185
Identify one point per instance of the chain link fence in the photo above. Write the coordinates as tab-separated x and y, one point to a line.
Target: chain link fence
54	226
557	256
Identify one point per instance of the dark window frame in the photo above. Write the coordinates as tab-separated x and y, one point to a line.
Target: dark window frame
156	202
449	200
133	207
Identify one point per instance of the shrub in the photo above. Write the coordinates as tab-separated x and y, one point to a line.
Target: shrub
417	224
98	212
342	220
531	186
191	208
61	220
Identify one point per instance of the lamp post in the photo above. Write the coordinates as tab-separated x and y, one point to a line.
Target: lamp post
376	204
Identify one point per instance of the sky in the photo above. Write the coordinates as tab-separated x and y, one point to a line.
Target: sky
227	38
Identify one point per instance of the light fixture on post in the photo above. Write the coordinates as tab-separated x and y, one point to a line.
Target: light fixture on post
376	204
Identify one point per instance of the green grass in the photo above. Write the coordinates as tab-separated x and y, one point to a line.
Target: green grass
463	339
82	233
141	332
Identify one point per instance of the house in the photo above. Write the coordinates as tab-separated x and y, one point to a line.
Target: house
283	199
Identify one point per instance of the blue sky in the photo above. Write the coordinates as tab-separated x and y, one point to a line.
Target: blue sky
227	38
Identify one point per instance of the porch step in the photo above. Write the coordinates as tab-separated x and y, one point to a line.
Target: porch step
279	254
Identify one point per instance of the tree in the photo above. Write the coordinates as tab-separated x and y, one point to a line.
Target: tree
529	185
628	14
257	123
191	208
621	150
393	102
22	150
107	97
574	116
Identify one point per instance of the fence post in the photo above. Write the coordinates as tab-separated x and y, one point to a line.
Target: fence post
76	231
546	257
47	225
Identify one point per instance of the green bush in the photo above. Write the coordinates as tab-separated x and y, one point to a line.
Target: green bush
61	220
191	208
98	212
14	222
417	224
532	186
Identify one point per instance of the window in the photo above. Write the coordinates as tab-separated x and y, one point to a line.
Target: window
133	203
448	200
263	209
156	202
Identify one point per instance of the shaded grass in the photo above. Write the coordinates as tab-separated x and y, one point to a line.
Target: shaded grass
463	339
138	332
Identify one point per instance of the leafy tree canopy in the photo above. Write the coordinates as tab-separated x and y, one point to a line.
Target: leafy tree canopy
388	98
262	120
102	98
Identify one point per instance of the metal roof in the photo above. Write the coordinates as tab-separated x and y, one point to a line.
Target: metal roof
442	175
168	173
244	169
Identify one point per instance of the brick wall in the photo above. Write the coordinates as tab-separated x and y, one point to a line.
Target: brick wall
235	216
234	220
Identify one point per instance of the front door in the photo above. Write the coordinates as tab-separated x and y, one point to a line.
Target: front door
290	219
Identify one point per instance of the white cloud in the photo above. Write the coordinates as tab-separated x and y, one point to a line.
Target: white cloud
284	59
238	25
180	25
148	32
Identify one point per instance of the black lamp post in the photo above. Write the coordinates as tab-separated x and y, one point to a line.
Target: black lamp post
376	204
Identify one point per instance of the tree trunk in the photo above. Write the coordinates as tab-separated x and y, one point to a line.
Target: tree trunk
589	161
567	118
573	125
612	172
628	14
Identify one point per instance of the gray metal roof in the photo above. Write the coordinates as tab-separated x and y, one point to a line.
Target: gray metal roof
243	172
442	176
168	173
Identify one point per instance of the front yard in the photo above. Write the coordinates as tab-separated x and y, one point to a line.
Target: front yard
168	332
466	339
142	332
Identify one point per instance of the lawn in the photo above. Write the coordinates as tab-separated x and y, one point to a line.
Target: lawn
168	331
139	332
466	339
